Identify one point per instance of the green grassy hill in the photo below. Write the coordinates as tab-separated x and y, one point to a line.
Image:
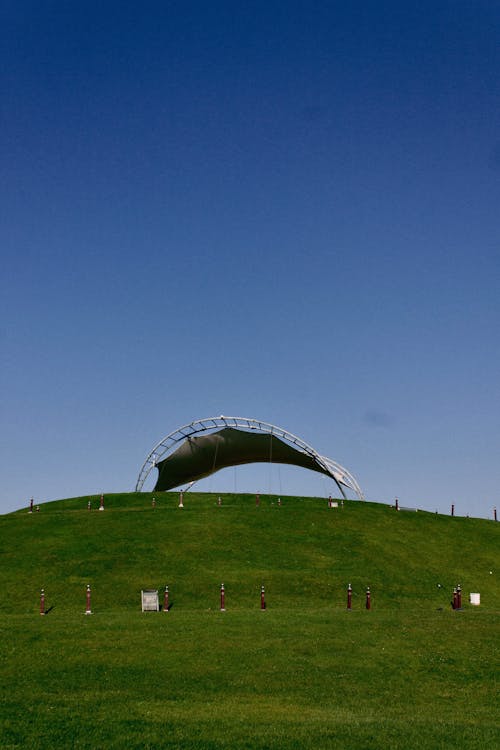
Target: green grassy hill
305	673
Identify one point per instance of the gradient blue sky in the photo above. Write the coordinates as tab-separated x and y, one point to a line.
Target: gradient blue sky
287	211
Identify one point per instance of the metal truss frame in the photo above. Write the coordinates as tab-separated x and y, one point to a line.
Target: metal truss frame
340	475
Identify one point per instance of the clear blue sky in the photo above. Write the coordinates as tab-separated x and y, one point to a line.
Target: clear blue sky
287	211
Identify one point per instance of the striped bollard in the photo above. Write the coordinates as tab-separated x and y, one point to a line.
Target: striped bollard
219	501
262	598
368	599
459	597
89	505
349	597
101	506
279	501
222	598
88	611
42	602
455	599
165	600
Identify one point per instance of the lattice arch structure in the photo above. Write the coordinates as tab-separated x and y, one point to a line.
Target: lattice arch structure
205	437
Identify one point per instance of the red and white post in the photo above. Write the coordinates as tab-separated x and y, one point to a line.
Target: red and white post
459	597
88	611
101	506
222	598
262	598
455	599
42	602
349	596
257	499
165	600
89	505
368	599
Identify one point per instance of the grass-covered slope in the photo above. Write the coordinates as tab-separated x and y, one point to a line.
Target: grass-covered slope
305	673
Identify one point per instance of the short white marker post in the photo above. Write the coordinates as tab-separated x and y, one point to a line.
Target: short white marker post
222	598
42	602
181	499
101	506
165	600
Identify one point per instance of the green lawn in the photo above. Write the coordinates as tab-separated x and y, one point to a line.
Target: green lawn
409	673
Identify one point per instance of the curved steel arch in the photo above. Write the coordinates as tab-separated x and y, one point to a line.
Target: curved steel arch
340	475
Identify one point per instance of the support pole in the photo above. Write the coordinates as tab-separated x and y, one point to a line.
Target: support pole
495	514
452	510
397	504
349	597
368	599
262	598
88	611
42	602
222	598
165	600
31	506
181	499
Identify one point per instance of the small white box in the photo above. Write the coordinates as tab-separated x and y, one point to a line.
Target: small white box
475	599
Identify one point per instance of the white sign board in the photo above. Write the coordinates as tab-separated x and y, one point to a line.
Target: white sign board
149	600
